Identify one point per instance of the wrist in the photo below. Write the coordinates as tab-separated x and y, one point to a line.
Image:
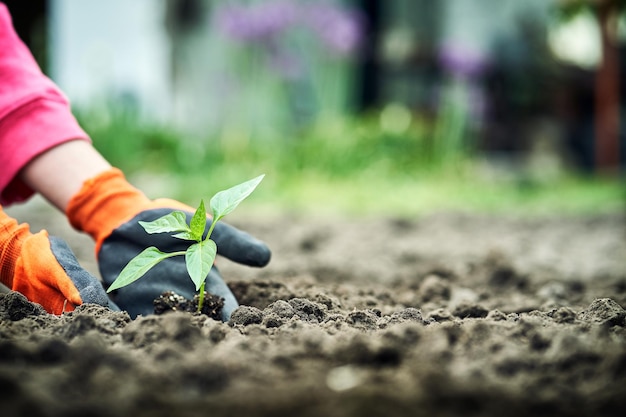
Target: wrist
59	172
103	203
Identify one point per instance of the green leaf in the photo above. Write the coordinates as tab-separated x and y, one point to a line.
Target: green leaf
138	266
184	236
199	259
226	201
198	222
175	221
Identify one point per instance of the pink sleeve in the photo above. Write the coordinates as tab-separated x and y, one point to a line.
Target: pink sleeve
34	114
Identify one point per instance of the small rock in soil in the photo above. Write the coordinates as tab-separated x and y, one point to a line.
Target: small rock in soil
563	315
467	310
434	288
246	315
440	315
604	311
307	310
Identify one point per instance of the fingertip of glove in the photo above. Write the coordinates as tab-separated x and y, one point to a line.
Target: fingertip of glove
264	256
258	256
94	294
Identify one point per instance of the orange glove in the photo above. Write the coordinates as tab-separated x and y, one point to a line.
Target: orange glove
108	208
44	269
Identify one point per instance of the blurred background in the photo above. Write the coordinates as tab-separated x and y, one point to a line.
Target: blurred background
380	107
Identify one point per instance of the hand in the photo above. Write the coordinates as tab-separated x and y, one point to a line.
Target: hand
108	208
129	239
45	270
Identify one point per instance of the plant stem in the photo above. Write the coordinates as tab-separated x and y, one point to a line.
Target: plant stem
201	297
213	223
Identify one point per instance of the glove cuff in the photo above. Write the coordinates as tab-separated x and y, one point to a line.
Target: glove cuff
12	236
107	201
104	203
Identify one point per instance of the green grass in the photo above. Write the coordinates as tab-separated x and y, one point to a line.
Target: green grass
351	166
365	195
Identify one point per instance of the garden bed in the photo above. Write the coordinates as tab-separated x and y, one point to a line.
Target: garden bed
444	315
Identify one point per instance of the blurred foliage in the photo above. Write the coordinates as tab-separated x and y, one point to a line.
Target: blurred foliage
567	9
360	165
337	147
126	143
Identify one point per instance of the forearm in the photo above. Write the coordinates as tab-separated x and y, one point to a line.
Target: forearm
39	146
59	173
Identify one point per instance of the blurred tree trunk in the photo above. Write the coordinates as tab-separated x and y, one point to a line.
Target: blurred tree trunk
607	100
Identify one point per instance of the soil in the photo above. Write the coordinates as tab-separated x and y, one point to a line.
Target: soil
169	301
442	315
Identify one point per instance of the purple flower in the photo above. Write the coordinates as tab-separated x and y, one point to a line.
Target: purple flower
255	22
462	61
338	28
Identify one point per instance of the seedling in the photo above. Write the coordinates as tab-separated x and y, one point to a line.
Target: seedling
200	254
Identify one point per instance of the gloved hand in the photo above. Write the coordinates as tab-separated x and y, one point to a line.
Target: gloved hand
108	208
44	269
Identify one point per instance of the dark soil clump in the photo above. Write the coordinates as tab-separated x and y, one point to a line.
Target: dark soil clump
170	301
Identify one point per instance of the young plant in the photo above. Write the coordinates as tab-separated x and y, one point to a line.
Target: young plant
200	254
